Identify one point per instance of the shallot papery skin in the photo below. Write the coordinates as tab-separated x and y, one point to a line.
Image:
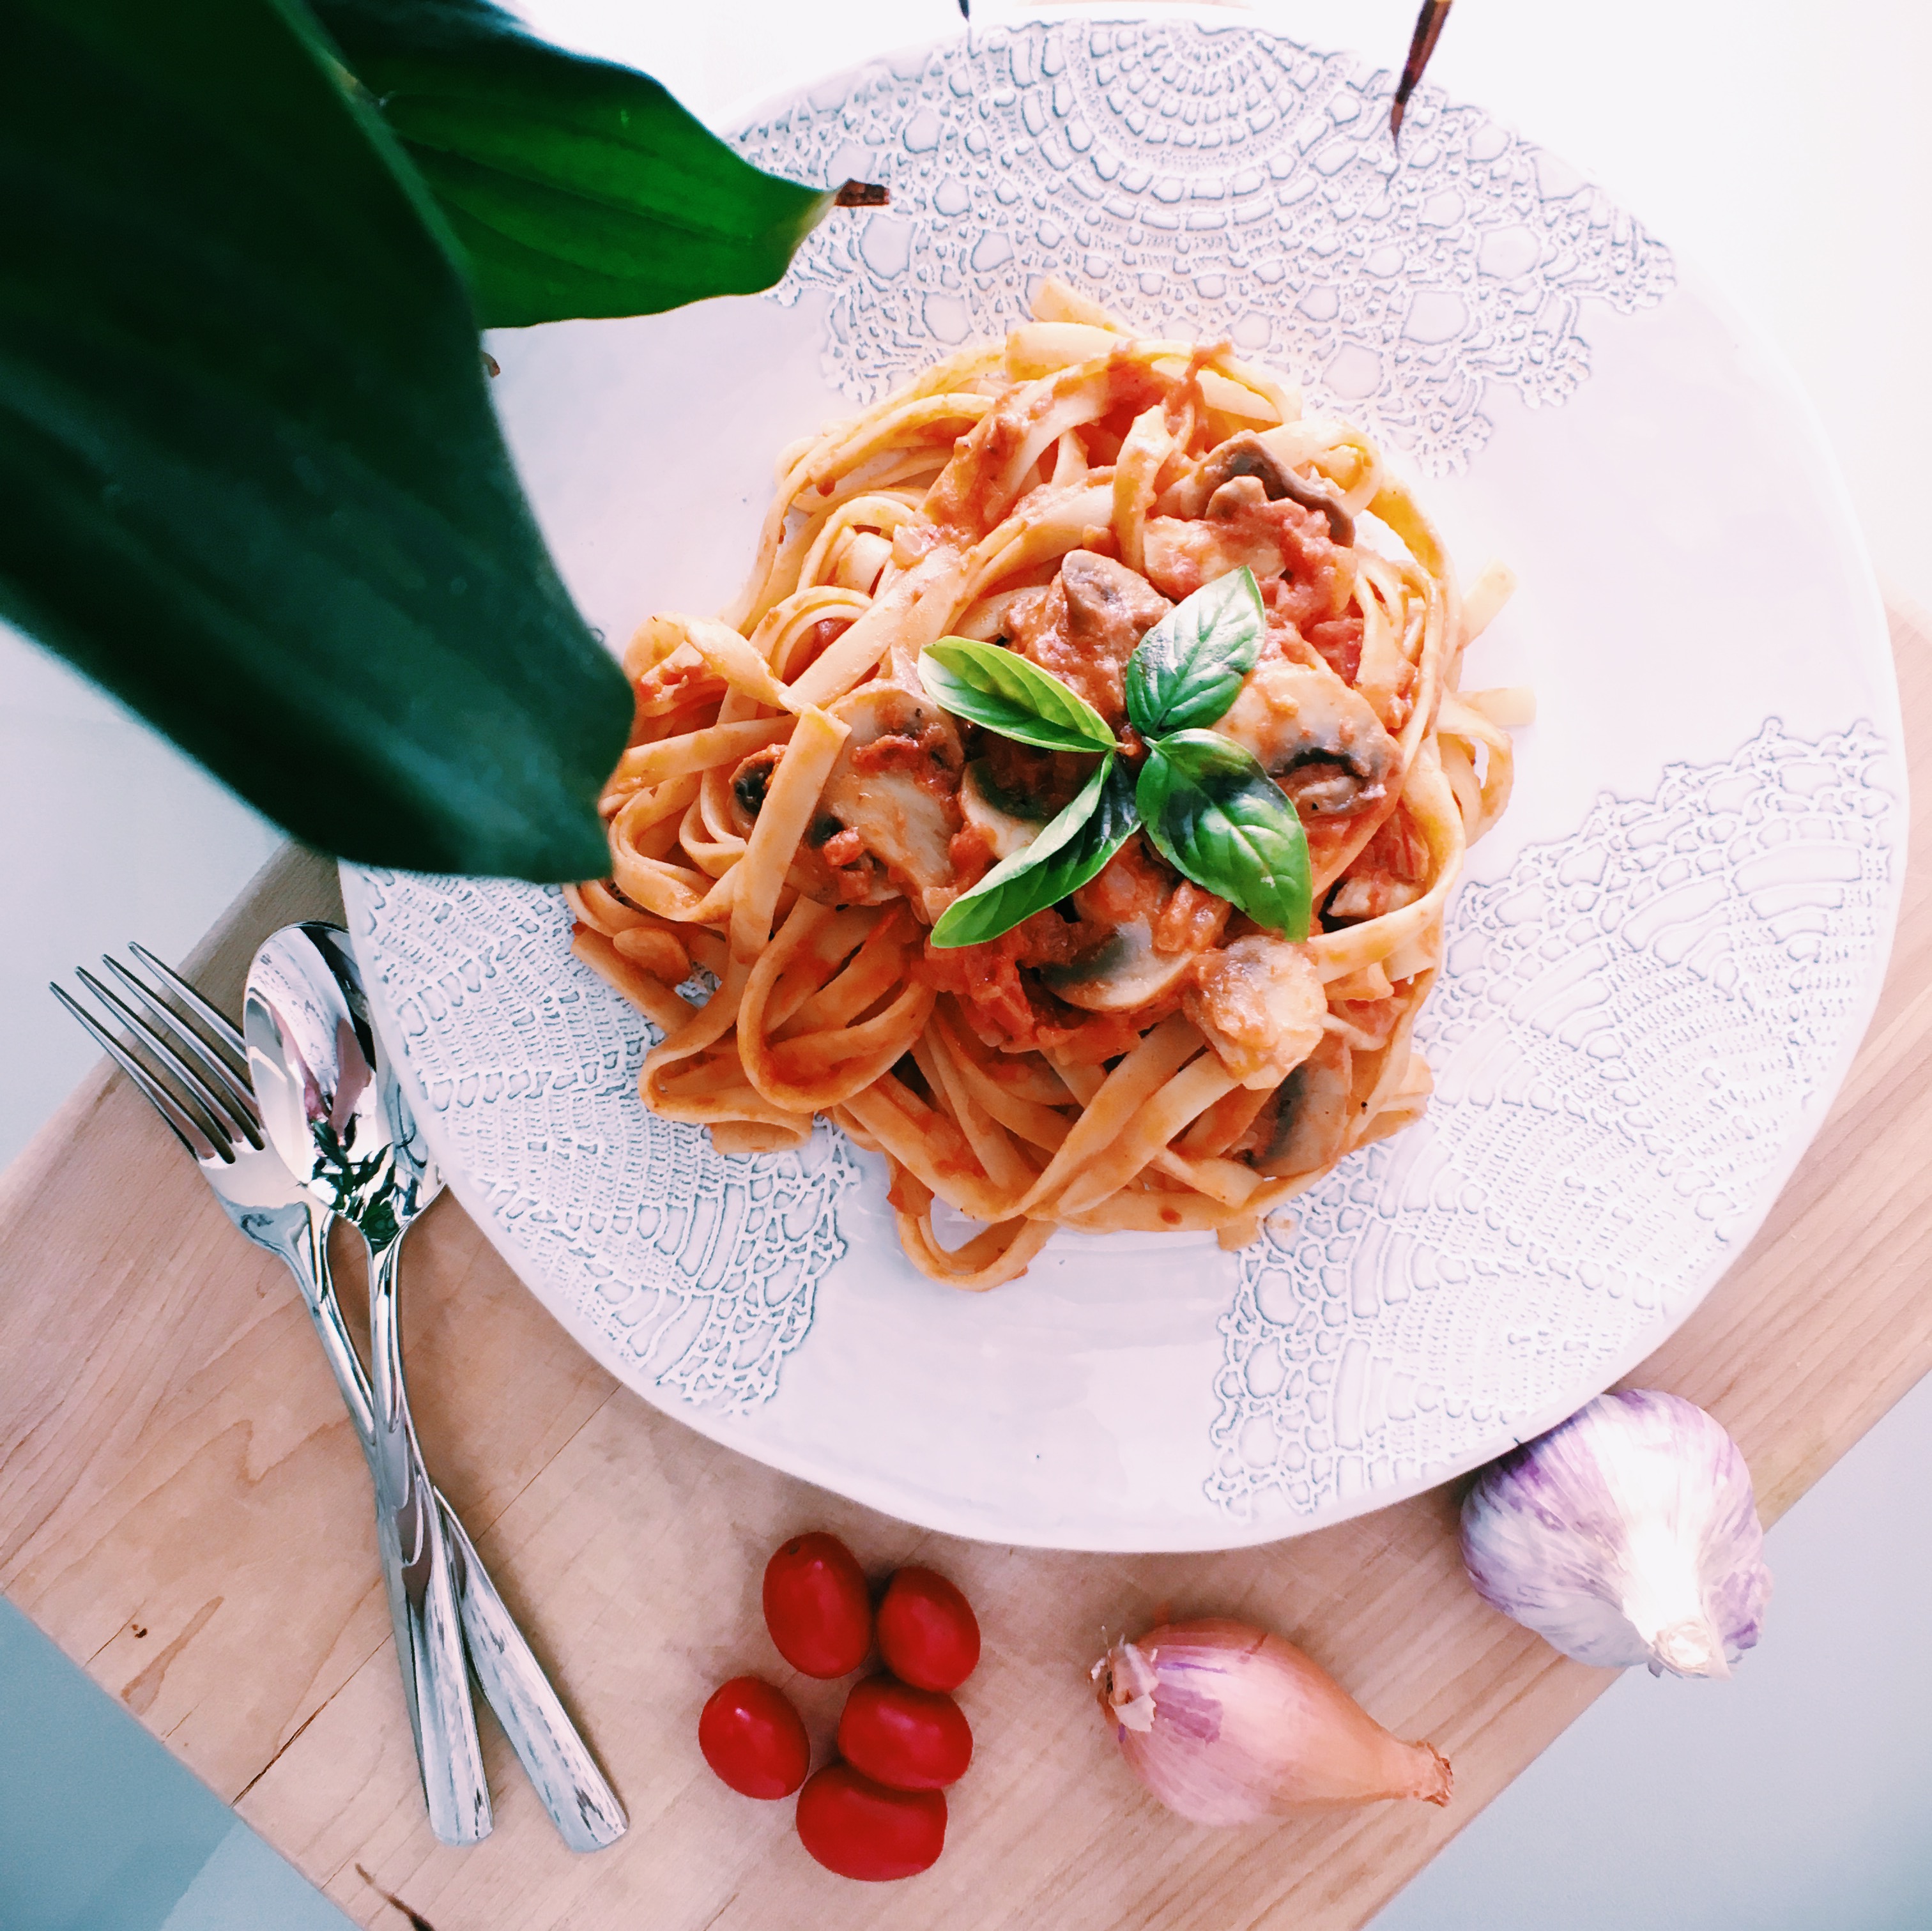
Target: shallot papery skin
1628	1533
1226	1724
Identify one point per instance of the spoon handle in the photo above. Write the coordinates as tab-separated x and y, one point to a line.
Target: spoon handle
573	1790
416	1570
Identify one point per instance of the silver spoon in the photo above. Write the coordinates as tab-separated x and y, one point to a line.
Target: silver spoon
573	1790
330	1113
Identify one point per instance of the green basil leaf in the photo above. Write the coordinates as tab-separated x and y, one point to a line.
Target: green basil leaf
1000	689
250	479
1186	670
1216	816
575	187
1067	852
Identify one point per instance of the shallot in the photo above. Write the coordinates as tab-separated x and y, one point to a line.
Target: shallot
1226	1724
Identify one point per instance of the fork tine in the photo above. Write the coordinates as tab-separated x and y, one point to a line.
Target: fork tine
172	1023
216	1020
227	1128
179	1123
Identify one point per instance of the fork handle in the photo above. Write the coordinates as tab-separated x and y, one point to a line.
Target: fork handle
554	1755
416	1571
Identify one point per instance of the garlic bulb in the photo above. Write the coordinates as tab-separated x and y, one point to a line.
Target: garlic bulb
1628	1533
1225	1724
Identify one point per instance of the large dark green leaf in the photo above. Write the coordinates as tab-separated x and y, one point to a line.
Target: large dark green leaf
575	187
1218	817
250	479
1068	852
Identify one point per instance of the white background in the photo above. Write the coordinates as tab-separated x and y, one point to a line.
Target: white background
1787	149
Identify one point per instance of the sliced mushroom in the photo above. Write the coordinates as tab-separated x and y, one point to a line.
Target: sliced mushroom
1084	628
753	779
1119	973
1007	824
1260	1003
1317	740
1304	1126
904	808
1109	607
1247	455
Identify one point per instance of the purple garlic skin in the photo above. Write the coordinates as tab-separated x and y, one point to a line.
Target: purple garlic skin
1628	1533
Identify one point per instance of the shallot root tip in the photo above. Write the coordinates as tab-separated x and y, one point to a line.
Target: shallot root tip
1446	1776
862	194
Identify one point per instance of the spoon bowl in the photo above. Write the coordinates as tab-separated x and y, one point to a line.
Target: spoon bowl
329	1101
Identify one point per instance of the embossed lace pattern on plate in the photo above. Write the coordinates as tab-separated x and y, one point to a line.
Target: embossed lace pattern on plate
1208	181
1626	1027
701	1272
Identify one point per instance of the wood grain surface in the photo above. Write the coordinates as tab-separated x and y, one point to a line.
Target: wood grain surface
184	1509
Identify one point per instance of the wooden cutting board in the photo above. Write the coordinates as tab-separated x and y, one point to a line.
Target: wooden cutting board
184	1509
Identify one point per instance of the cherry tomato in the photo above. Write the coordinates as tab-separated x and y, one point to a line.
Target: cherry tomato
860	1829
928	1633
817	1607
906	1739
753	1739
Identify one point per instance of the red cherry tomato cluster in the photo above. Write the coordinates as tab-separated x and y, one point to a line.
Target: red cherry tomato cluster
879	1813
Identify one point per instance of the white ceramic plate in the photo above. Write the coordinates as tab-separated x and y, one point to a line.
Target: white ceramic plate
1659	967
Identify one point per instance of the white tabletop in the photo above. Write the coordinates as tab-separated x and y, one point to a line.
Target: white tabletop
1786	149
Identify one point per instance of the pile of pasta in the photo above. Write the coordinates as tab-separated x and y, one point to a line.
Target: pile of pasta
734	863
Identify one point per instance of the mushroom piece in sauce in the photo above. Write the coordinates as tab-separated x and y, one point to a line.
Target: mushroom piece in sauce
1008	824
1304	1126
1085	626
1259	1002
895	781
1247	455
1320	741
1123	972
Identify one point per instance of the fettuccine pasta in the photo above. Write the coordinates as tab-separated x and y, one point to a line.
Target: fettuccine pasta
795	812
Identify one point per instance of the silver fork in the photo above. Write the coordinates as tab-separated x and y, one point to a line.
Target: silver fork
214	1116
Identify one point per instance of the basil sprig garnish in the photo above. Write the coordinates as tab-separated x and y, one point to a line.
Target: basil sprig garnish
988	685
1211	810
1188	668
1216	816
1070	849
